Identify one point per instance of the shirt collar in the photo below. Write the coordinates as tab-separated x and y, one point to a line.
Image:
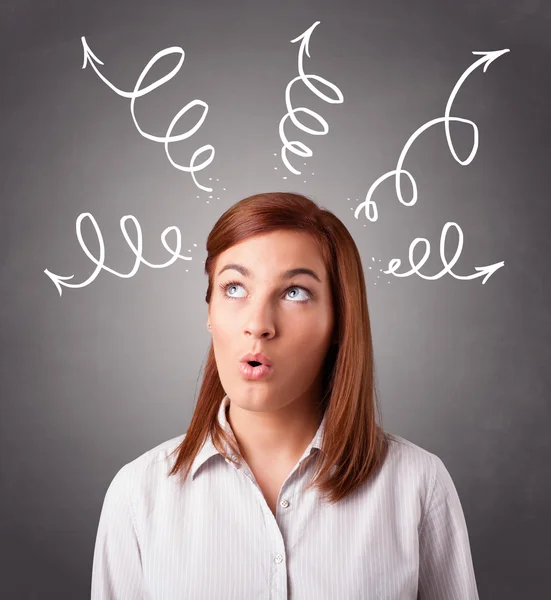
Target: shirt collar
208	449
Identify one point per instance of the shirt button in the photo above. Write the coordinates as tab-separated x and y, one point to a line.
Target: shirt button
284	503
278	558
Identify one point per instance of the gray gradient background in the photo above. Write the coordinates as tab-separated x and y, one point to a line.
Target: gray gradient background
94	378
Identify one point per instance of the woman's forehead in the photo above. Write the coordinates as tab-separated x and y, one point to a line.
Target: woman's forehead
276	253
280	243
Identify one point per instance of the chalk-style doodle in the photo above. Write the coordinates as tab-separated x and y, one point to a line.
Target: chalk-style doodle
91	59
297	147
60	280
370	205
486	272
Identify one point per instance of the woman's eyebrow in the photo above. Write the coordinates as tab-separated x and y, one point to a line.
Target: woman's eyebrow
285	275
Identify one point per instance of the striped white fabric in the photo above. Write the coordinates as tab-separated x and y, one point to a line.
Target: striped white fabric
401	536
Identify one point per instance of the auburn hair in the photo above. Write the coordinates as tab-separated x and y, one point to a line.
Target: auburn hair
354	443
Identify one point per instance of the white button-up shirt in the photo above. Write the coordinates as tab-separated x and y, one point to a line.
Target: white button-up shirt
401	536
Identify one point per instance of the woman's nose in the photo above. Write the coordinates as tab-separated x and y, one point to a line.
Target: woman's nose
260	331
260	324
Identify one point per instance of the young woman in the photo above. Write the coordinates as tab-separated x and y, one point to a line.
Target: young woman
284	485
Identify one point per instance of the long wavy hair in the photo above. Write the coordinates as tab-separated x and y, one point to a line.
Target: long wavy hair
354	444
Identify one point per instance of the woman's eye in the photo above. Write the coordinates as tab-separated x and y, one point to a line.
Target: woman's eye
230	286
294	291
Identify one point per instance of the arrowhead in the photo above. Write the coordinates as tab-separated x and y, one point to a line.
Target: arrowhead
489	270
56	279
89	56
306	36
489	57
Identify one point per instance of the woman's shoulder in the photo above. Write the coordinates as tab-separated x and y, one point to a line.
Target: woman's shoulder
417	469
148	469
399	443
410	460
158	455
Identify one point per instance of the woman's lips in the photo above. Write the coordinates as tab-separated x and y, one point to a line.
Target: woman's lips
253	373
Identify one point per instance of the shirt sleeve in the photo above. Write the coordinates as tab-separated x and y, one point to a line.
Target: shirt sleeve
446	569
117	567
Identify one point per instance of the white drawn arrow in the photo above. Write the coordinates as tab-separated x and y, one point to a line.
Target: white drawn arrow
297	147
370	205
61	280
485	272
91	59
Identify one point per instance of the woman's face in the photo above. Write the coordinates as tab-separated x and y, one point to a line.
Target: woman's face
289	319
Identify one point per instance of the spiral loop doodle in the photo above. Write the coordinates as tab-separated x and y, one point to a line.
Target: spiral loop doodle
137	92
61	280
297	147
369	204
